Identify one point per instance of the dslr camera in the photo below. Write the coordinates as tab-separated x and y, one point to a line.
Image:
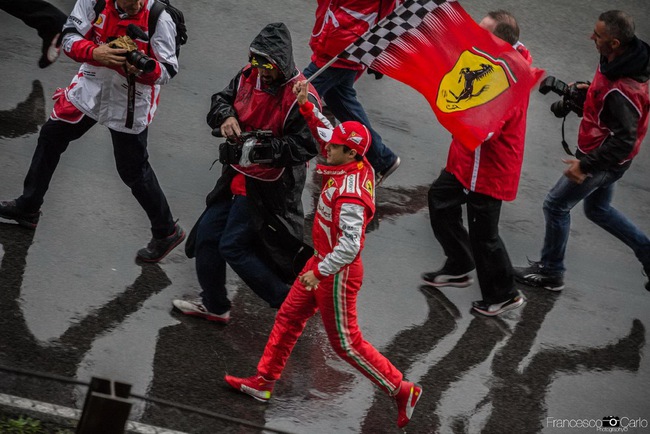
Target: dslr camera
230	152
573	98
134	56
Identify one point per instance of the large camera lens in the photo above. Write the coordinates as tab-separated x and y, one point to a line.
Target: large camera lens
560	109
141	61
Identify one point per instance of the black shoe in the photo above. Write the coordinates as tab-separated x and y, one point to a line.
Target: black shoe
646	271
536	275
381	176
495	309
10	211
445	277
158	248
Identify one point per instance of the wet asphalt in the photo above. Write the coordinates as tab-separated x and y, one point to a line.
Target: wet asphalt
74	304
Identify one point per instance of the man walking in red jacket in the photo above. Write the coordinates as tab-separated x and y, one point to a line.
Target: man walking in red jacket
482	179
338	24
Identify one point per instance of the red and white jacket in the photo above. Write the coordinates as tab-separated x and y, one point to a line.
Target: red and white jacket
494	167
100	92
341	22
345	206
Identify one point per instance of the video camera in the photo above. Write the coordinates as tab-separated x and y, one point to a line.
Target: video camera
134	56
573	97
230	152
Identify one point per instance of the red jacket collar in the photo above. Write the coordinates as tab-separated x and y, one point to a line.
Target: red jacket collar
343	169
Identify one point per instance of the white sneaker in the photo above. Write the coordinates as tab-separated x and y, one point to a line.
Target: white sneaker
196	308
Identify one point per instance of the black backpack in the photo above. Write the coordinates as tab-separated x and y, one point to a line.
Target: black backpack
156	9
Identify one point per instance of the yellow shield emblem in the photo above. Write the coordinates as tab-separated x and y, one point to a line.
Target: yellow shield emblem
474	80
368	187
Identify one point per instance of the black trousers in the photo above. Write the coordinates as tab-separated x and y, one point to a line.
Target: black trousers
131	160
481	246
38	14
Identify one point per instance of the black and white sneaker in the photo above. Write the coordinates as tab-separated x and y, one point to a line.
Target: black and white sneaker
536	275
381	176
445	277
158	248
10	211
495	309
197	308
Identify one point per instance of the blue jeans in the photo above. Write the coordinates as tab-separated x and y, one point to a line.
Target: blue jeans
597	191
336	87
225	234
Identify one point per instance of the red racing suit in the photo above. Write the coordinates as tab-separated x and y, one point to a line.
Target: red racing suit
345	206
100	92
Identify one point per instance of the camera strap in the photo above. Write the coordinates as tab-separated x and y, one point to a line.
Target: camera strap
565	145
130	103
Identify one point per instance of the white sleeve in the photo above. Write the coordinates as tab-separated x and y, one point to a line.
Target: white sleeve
80	21
163	46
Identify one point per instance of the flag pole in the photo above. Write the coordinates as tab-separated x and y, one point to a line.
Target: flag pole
323	68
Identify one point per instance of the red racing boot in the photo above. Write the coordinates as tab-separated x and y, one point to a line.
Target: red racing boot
256	386
406	398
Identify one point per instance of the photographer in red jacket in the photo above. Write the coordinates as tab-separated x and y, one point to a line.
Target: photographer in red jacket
614	124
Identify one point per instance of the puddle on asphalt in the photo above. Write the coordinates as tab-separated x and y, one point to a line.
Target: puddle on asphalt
26	117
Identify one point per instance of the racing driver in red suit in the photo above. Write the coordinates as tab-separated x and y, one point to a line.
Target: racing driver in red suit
331	279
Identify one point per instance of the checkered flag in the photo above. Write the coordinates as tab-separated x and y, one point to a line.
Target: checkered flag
471	79
406	18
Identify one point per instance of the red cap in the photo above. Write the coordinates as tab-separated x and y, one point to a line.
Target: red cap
352	134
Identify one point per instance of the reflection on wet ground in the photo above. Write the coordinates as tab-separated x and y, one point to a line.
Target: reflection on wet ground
191	357
577	354
19	348
510	387
26	117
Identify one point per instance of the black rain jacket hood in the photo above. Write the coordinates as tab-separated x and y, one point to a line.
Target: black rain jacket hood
633	63
274	43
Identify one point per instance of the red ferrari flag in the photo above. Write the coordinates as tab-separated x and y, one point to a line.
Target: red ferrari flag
470	77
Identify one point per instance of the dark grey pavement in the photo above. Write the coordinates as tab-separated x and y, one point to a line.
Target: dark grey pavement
73	302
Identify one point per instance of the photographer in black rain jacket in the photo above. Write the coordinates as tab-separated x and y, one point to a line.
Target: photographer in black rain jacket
254	218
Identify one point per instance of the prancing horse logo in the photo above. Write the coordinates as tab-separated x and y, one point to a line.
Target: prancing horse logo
470	77
475	79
